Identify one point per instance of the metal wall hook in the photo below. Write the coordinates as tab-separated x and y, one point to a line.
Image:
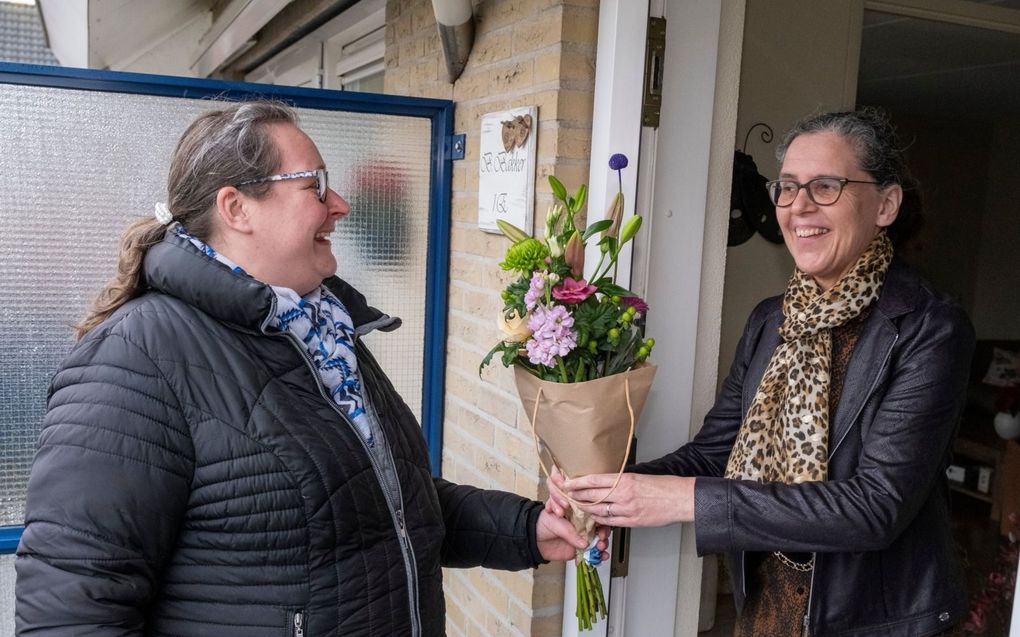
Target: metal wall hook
766	135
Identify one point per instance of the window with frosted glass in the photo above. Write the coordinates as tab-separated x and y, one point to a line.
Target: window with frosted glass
79	165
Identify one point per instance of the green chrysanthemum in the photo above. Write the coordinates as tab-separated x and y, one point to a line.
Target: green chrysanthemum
525	256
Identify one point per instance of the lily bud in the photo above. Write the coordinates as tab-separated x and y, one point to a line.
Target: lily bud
629	230
614	213
512	232
575	254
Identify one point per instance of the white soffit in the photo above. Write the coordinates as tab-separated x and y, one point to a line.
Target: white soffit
233	32
122	31
67	30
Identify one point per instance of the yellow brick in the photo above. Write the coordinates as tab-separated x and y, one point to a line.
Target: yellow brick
516	447
547	67
474	425
498	627
491	47
454	617
465	208
577	66
423	17
464	270
572	174
460	171
547	591
512	77
475	241
472	84
526	484
520	585
551	626
538	33
490	16
575	106
519	618
580	25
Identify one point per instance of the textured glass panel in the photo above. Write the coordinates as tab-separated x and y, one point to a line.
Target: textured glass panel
77	166
6	594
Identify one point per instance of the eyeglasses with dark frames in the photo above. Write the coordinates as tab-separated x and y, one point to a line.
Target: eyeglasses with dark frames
321	180
823	191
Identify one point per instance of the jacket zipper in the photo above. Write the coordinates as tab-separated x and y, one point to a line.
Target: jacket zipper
405	541
811	592
299	624
395	511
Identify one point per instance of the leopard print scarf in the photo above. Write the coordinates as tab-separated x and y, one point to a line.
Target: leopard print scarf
784	436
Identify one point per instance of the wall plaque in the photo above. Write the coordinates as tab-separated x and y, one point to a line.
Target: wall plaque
506	168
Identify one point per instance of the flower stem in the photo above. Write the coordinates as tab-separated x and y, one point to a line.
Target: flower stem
564	377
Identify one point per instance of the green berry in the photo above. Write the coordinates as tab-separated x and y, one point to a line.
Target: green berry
614	333
642	352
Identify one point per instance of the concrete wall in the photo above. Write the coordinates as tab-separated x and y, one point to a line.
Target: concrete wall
526	52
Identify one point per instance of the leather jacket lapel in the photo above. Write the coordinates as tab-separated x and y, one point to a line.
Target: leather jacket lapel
876	344
769	340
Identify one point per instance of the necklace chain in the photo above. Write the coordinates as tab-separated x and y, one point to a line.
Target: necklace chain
803	567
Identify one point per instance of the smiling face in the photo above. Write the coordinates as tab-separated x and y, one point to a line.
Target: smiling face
825	241
289	233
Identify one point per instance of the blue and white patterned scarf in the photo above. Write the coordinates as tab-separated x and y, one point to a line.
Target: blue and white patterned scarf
322	323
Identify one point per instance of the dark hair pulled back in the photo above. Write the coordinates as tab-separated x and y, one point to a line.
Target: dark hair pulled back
880	153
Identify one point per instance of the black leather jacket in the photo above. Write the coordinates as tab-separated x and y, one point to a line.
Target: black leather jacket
879	527
193	479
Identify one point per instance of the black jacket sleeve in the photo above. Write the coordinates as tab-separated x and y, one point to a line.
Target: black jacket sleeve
488	528
107	489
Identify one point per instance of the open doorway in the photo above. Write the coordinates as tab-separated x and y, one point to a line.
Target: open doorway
954	92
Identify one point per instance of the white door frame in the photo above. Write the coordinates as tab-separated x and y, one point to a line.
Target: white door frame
684	170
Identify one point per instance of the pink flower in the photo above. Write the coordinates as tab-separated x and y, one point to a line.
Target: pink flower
636	302
535	290
552	336
572	291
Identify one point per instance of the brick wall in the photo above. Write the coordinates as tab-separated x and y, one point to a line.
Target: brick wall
526	52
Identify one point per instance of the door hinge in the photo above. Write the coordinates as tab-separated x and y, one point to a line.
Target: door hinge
655	55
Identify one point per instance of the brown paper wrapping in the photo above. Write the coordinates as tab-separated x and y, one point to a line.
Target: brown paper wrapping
585	427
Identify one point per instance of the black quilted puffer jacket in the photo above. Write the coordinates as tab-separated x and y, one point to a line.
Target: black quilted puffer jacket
192	479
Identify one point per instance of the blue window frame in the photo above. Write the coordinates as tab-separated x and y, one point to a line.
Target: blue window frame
439	113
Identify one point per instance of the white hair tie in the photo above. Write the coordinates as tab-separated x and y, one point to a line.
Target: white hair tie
163	215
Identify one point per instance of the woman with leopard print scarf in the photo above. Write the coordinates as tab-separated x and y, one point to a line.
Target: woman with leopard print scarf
820	469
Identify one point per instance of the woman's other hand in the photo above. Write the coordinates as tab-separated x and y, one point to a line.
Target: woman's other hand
638	500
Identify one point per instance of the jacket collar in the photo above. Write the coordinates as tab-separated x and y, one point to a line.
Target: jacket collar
177	268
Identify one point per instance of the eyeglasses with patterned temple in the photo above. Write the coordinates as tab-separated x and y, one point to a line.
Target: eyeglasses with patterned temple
824	191
321	180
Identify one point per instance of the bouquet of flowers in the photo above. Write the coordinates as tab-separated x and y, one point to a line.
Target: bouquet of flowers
578	351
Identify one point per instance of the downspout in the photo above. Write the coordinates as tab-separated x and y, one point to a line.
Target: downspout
456	24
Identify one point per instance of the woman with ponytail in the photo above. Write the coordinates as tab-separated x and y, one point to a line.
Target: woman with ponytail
221	453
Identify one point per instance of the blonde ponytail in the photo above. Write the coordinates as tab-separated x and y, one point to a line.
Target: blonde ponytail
127	283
